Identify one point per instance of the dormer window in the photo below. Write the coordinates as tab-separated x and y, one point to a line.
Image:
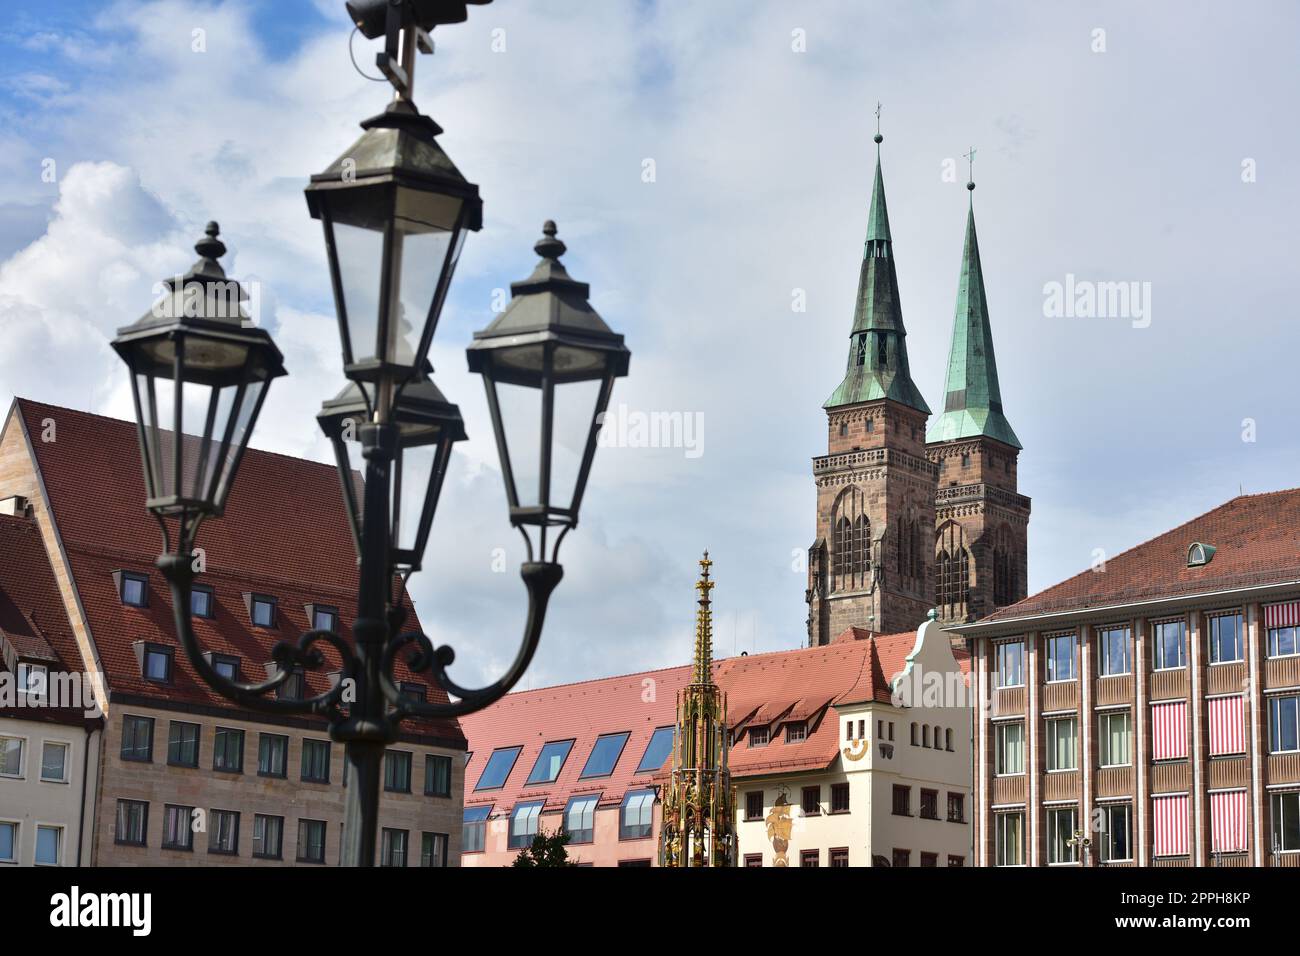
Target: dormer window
758	736
133	588
33	680
225	665
413	691
155	662
294	688
323	617
261	610
796	731
1199	555
201	601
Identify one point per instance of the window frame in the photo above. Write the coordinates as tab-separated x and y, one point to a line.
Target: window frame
920	810
901	797
143	806
395	758
641	766
1158	645
218	732
214	832
1103	655
532	780
262	739
1050	749
15	840
960	804
135	721
133	577
1275	722
1001	650
749	796
648	796
796	731
586	798
1213	638
999	749
59	831
1001	819
429	761
754	739
279	847
1103	748
1050	645
435	836
66	746
1277	820
167	654
1055	843
1104	841
185	816
254	600
314	744
24	674
305	827
179	743
196	589
587	773
479	825
815	791
532	809
838	790
515	751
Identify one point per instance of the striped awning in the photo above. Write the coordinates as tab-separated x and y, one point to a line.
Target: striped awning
1282	615
1169	731
1228	818
1227	725
1170	820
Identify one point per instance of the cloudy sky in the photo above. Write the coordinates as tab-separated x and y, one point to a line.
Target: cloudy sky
1152	144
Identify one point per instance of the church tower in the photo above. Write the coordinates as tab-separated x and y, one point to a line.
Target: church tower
981	520
698	829
870	565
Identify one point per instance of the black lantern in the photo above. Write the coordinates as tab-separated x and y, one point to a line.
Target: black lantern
395	211
427	426
548	358
199	374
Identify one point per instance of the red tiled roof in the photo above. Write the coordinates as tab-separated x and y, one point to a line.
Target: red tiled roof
284	534
796	684
1257	542
33	622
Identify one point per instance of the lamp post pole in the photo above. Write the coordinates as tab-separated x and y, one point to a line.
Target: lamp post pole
395	211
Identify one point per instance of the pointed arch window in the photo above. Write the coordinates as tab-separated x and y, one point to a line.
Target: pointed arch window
861	561
842	546
942	570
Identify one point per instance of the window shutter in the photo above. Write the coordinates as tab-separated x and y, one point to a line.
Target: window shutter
1227	726
1169	731
1170	815
1228	821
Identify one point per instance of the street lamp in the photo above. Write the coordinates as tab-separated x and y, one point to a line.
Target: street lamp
1082	842
395	211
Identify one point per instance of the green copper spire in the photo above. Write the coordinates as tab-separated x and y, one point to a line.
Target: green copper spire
972	404
877	365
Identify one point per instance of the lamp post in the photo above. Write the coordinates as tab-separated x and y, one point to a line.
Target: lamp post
395	212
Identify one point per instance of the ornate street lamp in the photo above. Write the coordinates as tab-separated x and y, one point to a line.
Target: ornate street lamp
395	211
546	345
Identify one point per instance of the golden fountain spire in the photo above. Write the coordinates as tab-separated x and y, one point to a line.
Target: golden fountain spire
697	825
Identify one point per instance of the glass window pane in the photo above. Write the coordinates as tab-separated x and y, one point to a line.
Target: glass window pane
54	758
47	846
497	769
657	751
604	756
550	762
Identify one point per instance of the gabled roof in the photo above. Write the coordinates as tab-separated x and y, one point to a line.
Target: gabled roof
972	404
34	626
802	684
284	534
1256	540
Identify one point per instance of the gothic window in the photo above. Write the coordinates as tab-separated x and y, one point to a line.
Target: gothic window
861	561
842	544
941	579
963	577
1005	589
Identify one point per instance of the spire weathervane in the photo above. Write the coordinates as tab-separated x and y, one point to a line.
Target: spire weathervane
970	179
878	138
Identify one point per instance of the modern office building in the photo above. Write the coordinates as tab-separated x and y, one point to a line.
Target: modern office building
1151	702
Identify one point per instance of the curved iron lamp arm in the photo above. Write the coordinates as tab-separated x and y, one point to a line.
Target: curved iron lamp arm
179	572
540	577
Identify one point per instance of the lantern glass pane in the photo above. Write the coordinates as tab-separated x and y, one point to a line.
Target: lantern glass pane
156	431
226	454
421	258
411	475
359	252
575	404
521	423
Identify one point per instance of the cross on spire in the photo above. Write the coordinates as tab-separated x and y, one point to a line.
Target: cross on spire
878	137
970	160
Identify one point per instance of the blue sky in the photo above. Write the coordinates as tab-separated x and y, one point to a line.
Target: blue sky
1122	164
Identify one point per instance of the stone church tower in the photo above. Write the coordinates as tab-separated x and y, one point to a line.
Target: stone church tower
872	562
911	518
981	549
